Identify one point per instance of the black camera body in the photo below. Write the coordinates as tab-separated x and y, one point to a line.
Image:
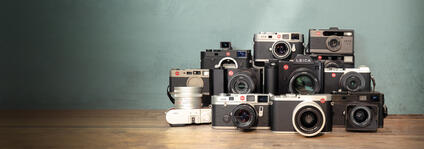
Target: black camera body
348	79
332	41
308	115
301	75
272	46
335	61
243	111
359	111
191	78
225	57
238	81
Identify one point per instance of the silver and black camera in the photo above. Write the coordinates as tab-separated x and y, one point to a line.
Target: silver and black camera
335	61
348	79
190	78
238	81
271	46
243	111
331	41
359	111
225	57
308	115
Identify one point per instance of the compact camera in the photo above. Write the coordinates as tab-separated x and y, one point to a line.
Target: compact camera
238	81
348	79
335	61
271	46
181	117
225	58
300	75
308	115
359	111
191	78
243	111
331	41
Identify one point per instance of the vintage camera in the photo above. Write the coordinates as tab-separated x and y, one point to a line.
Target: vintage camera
301	75
308	115
332	41
271	46
225	57
191	78
359	111
348	79
181	117
243	111
238	81
335	61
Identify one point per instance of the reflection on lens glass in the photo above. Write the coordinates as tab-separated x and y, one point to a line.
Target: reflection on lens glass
242	115
308	119
281	49
360	115
333	43
353	83
241	86
304	84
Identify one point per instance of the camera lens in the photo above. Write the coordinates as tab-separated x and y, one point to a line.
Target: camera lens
360	116
304	84
281	50
352	81
244	116
333	43
308	118
241	86
242	83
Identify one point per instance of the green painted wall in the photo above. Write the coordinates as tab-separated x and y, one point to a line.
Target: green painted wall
116	54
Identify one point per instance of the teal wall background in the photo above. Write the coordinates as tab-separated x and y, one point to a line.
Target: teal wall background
115	54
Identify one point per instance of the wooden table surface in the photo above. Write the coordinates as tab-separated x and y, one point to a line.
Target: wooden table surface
148	129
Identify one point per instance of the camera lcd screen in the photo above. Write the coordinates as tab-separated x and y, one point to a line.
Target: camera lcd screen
262	98
241	54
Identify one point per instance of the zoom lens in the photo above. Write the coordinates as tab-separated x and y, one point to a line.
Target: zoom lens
308	118
360	116
281	50
244	116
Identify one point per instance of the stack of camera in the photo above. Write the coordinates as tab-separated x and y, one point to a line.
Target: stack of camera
287	86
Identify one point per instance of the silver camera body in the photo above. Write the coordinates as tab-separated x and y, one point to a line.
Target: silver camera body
309	115
272	46
332	41
243	111
347	79
176	117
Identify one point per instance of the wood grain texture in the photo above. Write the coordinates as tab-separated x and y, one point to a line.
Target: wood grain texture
148	129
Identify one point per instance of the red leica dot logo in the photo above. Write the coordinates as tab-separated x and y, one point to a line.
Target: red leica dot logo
228	53
286	67
333	75
278	36
230	73
319	57
177	73
241	97
322	100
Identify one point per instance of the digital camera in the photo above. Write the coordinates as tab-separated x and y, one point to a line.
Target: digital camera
238	81
243	111
191	78
331	41
348	79
301	75
225	58
181	117
335	61
359	111
271	46
308	115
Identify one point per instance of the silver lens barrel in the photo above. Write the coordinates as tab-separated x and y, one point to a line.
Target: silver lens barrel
188	97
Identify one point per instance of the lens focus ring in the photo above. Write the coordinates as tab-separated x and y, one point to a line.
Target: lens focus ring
281	50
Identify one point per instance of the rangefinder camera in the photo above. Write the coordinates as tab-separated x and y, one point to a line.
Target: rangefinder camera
271	46
225	57
309	115
191	78
359	111
242	111
348	79
333	41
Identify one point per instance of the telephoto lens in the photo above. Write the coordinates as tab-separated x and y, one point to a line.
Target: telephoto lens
188	97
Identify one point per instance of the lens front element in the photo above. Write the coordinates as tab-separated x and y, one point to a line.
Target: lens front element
244	116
